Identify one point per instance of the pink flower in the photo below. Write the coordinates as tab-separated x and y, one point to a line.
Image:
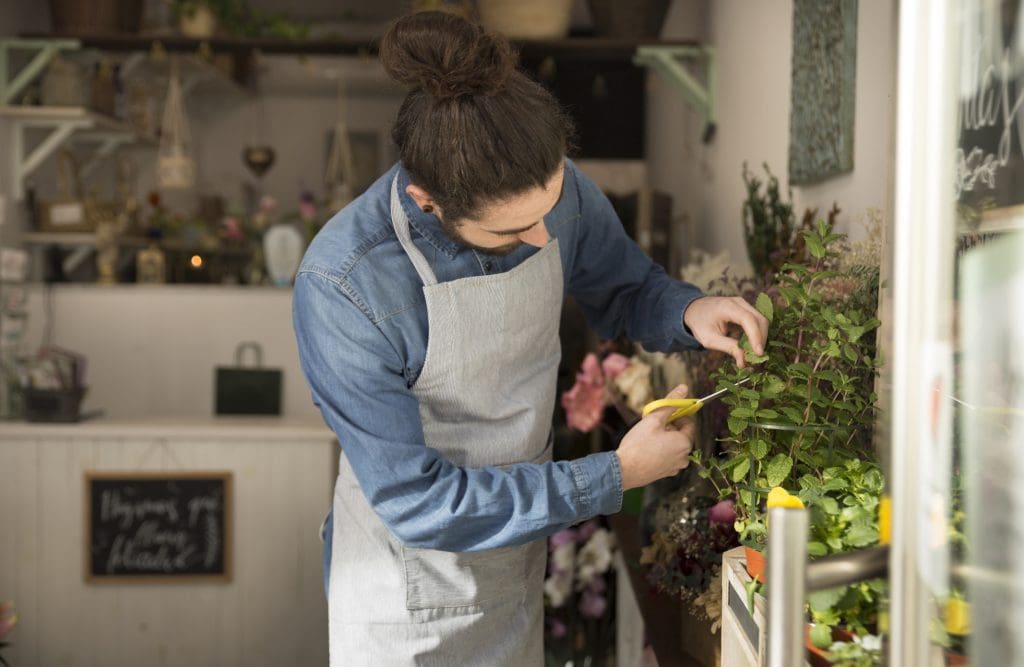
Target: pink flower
723	512
614	364
593	605
585	402
597	585
590	371
7	618
587	530
558	629
232	228
268	204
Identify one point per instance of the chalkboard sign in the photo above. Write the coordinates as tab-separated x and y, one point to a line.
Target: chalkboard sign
158	526
989	181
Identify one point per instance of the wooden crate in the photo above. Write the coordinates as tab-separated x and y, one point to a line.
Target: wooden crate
743	635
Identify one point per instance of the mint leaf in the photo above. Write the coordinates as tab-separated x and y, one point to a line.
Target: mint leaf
741	470
778	469
764	306
737	425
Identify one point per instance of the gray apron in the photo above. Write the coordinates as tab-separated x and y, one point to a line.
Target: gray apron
486	395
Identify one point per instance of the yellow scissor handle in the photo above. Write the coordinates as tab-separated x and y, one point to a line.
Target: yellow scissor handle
684	407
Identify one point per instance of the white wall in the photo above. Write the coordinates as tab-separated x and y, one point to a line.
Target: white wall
152	350
753	43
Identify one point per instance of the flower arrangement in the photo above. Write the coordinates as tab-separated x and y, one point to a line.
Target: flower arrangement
8	619
685	554
578	591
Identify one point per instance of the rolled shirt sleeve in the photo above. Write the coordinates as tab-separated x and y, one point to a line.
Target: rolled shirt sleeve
621	291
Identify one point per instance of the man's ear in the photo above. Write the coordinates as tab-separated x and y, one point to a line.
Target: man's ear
421	197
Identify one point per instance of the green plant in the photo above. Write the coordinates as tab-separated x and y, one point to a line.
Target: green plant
843	505
237	18
768	222
863	651
809	402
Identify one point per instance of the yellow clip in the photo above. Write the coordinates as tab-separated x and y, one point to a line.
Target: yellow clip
885	520
684	407
779	497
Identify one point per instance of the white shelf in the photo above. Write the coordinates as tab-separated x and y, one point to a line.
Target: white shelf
248	428
63	125
59	238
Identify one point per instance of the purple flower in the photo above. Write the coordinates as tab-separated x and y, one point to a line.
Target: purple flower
558	629
307	206
597	585
593	605
723	512
567	536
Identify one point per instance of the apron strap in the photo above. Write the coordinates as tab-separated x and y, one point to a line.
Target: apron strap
400	221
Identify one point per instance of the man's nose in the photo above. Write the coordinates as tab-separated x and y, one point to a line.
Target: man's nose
536	235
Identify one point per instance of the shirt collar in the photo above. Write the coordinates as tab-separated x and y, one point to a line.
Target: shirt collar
426	225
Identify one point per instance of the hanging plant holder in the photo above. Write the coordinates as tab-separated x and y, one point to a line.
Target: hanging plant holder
175	166
340	168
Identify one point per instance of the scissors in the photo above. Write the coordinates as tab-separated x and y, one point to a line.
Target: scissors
685	406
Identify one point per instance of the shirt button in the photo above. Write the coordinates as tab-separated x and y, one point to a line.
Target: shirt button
488	265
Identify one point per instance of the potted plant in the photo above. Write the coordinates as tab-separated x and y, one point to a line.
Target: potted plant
804	420
809	401
200	18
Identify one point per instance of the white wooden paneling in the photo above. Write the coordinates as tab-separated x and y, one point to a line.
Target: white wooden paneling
273	612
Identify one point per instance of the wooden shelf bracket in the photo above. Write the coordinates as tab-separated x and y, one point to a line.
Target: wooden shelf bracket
668	61
43	51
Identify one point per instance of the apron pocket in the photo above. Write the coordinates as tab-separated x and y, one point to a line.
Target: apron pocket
440	579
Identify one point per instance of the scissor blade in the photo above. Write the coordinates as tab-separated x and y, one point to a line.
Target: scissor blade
720	392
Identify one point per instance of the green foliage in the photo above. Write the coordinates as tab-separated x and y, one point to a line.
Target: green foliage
804	420
768	222
809	403
858	653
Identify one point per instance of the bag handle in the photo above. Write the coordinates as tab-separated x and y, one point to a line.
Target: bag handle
249	345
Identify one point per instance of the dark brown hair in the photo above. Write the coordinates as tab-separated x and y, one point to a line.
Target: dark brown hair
473	129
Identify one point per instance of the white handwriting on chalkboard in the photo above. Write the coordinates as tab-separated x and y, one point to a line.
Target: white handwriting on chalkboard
200	504
212	541
127	555
990	106
126	512
977	166
150	534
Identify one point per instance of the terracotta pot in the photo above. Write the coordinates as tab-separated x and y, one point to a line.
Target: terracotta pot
755	563
957	660
816	656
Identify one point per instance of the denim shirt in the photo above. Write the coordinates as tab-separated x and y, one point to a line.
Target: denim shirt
360	319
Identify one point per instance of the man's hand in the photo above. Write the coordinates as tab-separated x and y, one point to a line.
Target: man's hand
710	317
654	449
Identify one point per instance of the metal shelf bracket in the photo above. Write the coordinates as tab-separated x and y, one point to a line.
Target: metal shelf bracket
43	51
668	61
